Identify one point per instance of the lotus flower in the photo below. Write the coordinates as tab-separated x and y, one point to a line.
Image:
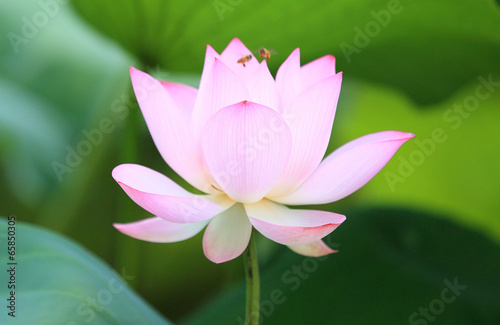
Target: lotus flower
253	144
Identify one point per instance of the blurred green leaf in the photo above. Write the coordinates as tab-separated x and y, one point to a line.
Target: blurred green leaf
58	282
32	132
450	167
58	79
61	61
426	49
391	264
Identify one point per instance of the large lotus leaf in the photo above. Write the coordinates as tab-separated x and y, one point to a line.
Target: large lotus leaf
425	48
395	266
452	164
59	79
55	281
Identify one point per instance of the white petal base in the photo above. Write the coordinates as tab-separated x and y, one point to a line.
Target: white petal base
227	235
315	249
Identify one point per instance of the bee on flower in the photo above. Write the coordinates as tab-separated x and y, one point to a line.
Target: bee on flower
244	59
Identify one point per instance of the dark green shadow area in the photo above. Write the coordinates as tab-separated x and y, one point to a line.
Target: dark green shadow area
394	267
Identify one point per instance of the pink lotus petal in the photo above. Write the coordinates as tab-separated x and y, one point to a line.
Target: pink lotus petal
347	169
262	87
206	79
248	140
210	56
183	96
222	88
246	147
157	230
169	128
288	78
162	197
227	235
235	51
317	70
314	249
310	117
291	227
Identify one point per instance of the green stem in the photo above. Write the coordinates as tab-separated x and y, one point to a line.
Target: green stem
253	283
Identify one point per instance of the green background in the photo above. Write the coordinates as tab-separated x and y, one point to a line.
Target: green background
431	215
